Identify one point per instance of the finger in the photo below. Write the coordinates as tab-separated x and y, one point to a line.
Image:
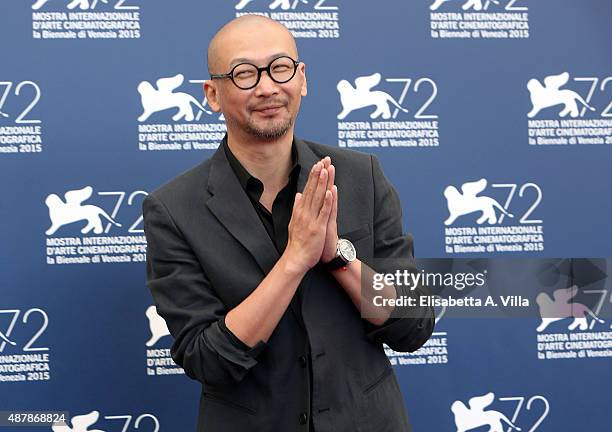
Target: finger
319	194
311	184
325	208
326	161
297	201
331	171
297	204
294	210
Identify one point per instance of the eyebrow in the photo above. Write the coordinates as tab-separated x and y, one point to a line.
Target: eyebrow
236	61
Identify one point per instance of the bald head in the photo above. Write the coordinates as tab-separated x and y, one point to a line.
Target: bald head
242	36
266	111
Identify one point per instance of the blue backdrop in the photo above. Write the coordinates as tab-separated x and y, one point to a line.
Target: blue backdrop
491	108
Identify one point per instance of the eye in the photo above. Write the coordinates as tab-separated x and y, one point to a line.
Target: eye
245	72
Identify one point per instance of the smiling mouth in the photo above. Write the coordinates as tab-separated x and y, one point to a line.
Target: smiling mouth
268	110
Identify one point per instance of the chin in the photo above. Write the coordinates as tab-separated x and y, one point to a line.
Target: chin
270	130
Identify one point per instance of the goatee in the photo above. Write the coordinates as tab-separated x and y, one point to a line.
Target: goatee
270	133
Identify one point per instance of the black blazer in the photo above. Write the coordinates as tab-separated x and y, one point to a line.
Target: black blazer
208	250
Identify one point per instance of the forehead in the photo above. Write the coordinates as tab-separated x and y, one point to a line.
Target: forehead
256	44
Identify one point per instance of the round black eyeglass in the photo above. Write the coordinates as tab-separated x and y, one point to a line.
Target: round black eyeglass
245	76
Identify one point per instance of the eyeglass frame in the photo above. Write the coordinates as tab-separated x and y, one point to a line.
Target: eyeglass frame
260	70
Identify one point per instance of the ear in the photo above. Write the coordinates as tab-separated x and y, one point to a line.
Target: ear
212	95
302	72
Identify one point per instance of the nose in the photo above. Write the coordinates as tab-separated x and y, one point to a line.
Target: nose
266	86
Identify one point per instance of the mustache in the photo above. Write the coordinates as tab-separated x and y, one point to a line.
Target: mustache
272	103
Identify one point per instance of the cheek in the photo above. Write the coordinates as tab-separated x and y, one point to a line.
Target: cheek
294	93
234	105
296	98
295	103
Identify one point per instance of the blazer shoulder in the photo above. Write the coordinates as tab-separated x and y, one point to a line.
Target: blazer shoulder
187	186
341	156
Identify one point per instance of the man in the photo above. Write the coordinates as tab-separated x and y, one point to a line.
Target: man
245	262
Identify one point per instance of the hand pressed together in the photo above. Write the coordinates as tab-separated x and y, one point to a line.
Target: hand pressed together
312	231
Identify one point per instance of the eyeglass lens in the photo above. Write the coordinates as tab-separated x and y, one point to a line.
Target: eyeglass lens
282	70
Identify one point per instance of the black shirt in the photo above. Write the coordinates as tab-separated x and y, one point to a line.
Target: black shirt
275	222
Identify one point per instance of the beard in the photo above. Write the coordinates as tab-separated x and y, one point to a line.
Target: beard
271	131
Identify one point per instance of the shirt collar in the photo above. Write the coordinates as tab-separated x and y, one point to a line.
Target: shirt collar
246	179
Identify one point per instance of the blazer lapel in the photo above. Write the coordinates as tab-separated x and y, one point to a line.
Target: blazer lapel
231	205
307	159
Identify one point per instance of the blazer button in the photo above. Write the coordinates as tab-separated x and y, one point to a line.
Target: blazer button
303	361
303	418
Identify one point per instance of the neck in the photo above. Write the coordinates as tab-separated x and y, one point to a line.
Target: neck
268	160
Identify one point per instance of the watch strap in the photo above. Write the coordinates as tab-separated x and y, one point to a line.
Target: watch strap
336	263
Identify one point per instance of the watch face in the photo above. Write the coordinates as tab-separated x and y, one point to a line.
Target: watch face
347	250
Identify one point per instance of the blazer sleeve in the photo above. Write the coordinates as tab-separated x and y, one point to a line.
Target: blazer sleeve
408	328
203	346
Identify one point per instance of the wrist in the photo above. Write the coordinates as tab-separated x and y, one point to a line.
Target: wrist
293	264
339	269
331	251
344	254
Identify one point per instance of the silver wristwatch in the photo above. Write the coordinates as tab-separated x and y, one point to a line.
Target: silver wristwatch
345	253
